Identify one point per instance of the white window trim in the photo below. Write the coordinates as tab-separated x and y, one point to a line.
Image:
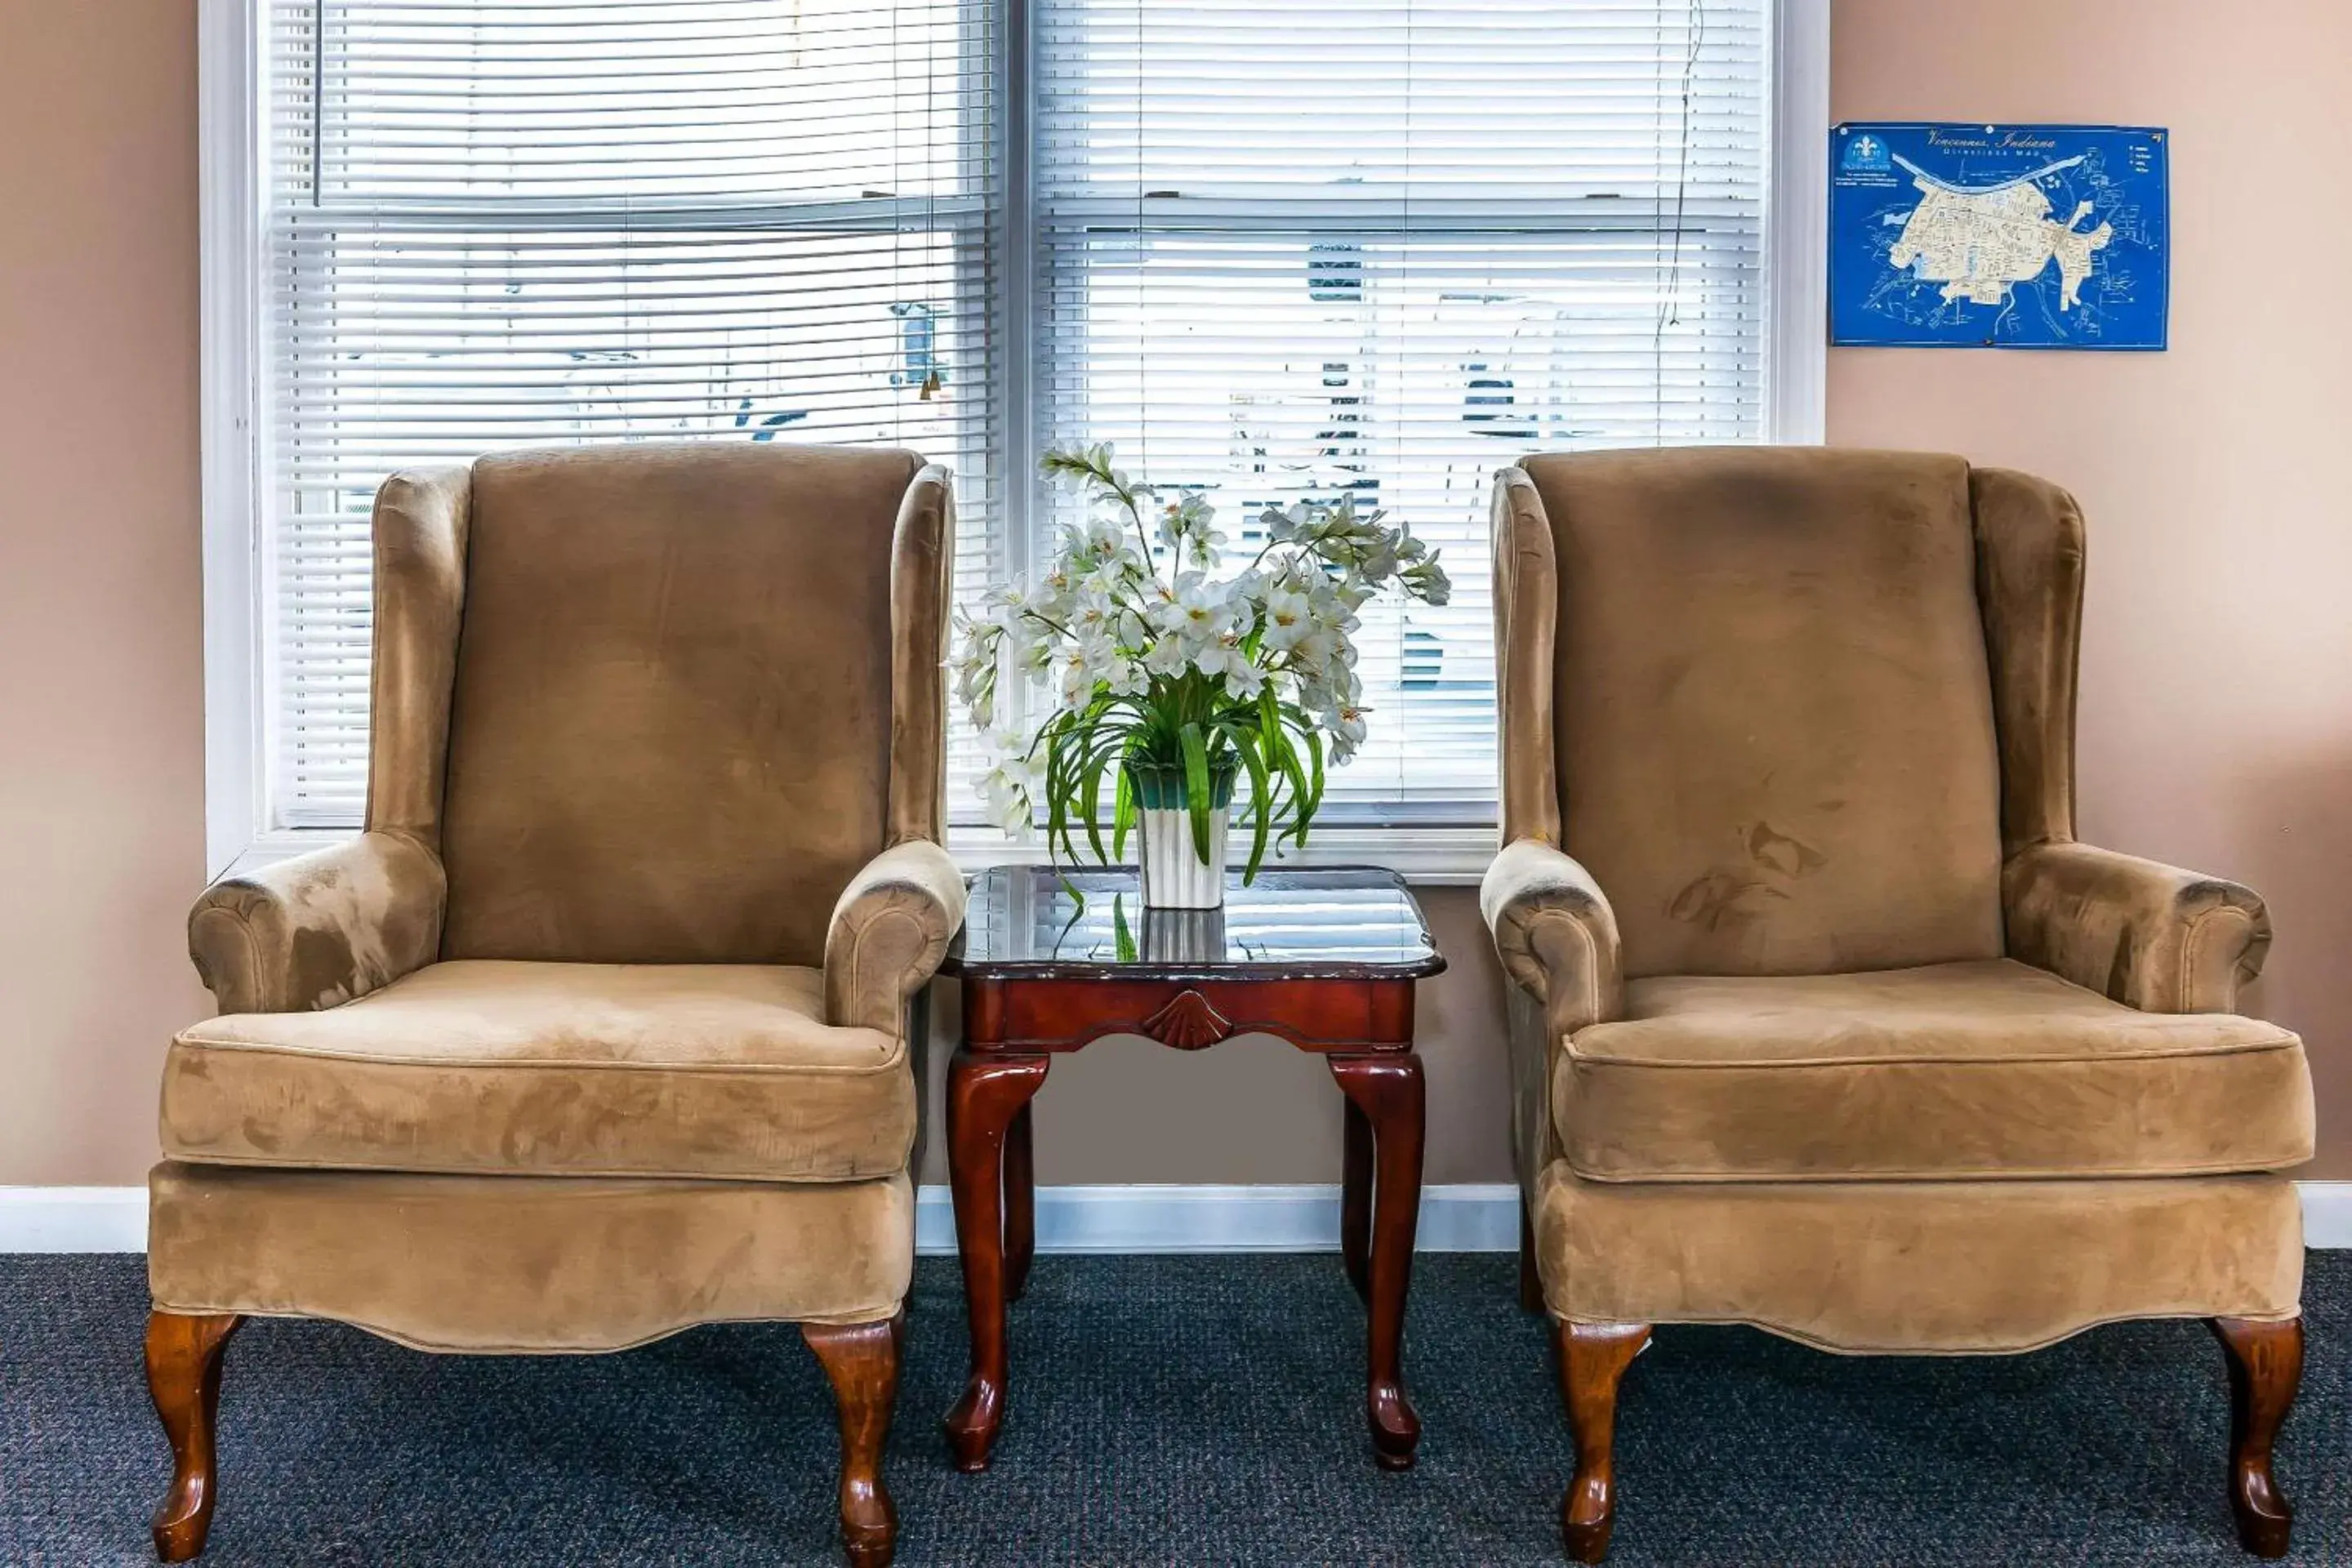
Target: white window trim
238	832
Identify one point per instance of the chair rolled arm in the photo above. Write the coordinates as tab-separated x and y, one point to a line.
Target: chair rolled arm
1555	933
2148	935
890	929
321	929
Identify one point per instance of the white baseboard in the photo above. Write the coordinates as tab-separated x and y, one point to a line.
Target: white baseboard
1469	1217
73	1219
2327	1213
1472	1217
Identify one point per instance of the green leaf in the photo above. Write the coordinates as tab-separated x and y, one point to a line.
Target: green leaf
1123	809
1196	785
1263	797
1314	801
1093	802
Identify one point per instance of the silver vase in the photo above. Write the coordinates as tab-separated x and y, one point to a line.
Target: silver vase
1174	875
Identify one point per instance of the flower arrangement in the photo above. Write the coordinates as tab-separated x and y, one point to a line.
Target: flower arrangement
1167	682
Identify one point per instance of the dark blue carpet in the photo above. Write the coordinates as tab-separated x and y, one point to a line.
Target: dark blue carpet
1165	1410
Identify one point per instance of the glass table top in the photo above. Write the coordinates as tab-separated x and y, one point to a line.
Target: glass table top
1327	921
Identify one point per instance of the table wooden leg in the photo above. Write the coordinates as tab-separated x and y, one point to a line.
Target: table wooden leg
984	1094
1019	1204
1387	1088
1356	1197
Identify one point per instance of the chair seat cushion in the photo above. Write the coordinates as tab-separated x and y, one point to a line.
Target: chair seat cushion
1988	1068
501	1067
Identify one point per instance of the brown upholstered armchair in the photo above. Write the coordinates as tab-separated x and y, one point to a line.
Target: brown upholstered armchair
1830	1026
601	1029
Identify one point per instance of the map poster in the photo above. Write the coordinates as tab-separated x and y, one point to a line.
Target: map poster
2007	236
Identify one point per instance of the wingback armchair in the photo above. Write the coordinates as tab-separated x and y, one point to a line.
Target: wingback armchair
602	1028
1822	1021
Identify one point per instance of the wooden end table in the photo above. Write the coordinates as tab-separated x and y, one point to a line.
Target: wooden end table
1324	958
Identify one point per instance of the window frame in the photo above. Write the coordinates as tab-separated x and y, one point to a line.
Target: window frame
239	829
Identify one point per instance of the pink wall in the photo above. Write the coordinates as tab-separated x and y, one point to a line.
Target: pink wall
101	744
2216	720
2217	723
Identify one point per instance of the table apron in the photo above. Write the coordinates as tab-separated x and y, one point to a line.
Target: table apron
1063	1014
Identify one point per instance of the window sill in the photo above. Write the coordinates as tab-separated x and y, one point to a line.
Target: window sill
1428	856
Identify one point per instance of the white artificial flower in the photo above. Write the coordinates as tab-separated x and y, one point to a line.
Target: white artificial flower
1289	617
1345	724
1427	581
1282	527
1376	559
1032	647
1222	659
1166	656
1009	787
1198	609
1093	613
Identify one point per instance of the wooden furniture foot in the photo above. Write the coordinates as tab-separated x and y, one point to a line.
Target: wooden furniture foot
2265	1369
183	1373
1592	1360
985	1094
862	1361
1387	1091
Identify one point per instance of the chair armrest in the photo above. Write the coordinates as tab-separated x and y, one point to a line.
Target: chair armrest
1557	937
2147	935
1555	933
322	928
890	929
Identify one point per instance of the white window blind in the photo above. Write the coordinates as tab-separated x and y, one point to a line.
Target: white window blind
547	221
1387	246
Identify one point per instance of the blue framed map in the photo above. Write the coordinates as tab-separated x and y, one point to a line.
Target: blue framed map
2012	236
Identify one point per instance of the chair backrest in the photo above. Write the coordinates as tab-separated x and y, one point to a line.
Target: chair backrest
671	728
1773	719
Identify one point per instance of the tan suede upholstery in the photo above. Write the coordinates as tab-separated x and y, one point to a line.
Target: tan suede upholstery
2143	934
675	662
600	1029
1828	1024
526	1264
1775	733
890	928
1922	1267
321	929
496	1067
1986	1069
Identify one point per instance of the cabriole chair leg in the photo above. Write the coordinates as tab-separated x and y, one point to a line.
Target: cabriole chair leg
184	1373
1593	1361
862	1361
2265	1369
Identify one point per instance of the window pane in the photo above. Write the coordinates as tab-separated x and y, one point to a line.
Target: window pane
1458	233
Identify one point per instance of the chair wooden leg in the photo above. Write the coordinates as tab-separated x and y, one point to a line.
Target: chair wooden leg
2265	1369
183	1373
862	1361
1592	1360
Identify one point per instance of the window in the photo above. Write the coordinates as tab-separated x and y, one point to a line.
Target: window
1382	247
498	225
